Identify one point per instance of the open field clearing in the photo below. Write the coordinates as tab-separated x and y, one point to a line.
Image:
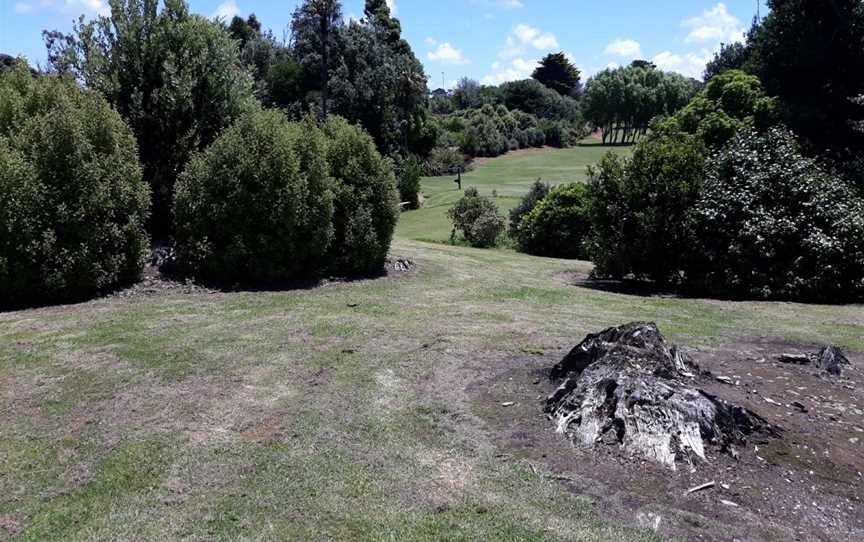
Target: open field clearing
510	176
365	410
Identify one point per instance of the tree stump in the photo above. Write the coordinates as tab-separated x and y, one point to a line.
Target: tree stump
625	386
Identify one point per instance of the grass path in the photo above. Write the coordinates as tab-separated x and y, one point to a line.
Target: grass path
343	412
510	176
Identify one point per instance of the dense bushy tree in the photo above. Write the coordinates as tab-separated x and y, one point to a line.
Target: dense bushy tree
315	37
558	73
477	218
810	53
559	225
72	200
466	95
537	192
731	56
771	223
174	76
623	101
366	203
378	82
257	205
532	97
639	205
730	102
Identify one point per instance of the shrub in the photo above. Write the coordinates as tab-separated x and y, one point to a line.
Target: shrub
445	161
537	192
559	225
72	200
638	207
255	206
409	171
773	224
477	218
553	133
483	136
366	203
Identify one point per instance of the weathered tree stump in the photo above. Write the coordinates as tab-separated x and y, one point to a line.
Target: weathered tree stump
830	359
624	386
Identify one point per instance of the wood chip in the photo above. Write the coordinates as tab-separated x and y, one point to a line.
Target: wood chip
707	485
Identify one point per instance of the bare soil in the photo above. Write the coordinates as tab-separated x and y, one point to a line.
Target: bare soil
805	485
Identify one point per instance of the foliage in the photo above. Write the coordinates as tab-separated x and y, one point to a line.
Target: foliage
366	205
72	200
810	54
173	76
559	224
638	207
378	82
731	56
477	218
315	27
772	224
558	73
256	206
623	101
537	192
445	161
730	102
408	173
467	95
532	97
492	131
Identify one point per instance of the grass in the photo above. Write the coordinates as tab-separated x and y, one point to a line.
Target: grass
346	412
509	176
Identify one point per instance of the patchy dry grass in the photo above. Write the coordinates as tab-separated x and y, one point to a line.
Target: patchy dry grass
343	412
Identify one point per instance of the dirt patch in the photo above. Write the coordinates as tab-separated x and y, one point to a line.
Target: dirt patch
806	485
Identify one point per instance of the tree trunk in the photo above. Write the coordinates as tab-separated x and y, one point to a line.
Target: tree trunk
325	59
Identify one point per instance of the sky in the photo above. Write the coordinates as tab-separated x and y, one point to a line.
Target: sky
491	41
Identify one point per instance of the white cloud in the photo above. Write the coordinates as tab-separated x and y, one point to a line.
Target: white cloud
714	25
625	48
528	35
515	70
394	9
227	10
21	7
525	38
447	54
688	64
431	42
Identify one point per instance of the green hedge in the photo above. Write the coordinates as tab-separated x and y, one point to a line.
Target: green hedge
72	200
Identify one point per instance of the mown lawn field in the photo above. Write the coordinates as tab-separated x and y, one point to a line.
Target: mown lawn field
352	411
510	176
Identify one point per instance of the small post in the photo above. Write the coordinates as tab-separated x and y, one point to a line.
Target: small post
458	180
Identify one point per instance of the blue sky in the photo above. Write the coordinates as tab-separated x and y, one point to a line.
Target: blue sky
489	40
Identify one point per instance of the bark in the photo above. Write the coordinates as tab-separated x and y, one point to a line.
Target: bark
625	386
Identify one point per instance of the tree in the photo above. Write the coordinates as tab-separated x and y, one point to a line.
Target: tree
72	200
772	224
466	95
810	54
378	82
731	56
173	76
639	206
314	29
558	73
730	102
622	102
